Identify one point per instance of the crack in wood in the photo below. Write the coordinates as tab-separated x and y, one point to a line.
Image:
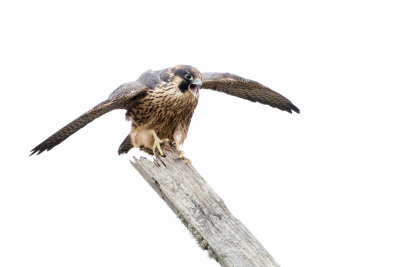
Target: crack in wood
202	211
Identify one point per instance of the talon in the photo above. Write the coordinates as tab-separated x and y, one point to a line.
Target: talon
157	144
181	153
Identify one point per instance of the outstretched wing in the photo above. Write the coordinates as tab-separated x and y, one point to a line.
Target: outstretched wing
247	89
119	99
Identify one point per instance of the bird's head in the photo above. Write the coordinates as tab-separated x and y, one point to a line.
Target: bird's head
187	79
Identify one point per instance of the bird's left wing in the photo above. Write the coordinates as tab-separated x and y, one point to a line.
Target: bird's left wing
247	89
119	99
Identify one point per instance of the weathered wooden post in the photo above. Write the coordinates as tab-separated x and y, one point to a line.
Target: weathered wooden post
202	211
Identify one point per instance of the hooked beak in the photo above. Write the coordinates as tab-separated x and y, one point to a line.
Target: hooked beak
195	86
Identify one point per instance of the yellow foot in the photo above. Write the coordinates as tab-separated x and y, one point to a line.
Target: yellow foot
181	153
157	144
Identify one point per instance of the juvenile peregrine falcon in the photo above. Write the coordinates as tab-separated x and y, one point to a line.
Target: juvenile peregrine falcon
161	103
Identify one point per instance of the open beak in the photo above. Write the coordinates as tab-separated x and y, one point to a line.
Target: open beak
195	86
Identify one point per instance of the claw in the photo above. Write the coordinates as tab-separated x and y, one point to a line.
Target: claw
157	144
181	153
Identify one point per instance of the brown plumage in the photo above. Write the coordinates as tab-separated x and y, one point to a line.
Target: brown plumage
161	103
248	89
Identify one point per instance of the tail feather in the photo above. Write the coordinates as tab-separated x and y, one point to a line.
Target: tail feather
125	146
74	126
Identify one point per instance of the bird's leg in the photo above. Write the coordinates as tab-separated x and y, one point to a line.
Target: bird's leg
157	144
181	153
179	137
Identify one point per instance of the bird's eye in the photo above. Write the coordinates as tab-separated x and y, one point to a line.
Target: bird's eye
188	77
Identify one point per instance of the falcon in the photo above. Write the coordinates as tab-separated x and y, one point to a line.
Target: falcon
160	105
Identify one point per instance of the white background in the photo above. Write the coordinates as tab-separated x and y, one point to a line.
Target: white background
317	189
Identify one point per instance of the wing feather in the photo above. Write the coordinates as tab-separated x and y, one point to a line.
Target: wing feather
119	99
247	89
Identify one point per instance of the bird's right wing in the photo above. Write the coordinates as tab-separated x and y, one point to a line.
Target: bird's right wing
119	99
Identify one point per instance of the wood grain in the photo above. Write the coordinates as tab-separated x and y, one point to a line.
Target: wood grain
202	211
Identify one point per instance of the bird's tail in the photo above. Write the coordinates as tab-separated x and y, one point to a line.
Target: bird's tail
74	126
125	146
